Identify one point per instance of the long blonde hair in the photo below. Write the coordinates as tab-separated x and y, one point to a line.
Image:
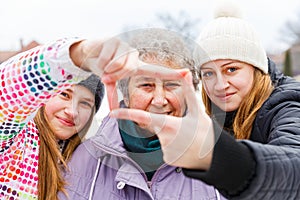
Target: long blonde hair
246	113
51	160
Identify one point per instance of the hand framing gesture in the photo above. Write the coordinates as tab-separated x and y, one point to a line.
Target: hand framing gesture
186	141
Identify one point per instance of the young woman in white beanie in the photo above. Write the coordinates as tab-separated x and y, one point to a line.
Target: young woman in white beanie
247	141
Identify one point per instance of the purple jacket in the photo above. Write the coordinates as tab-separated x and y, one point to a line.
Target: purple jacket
101	169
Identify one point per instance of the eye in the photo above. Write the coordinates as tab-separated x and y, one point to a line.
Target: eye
231	69
64	95
146	86
171	85
87	104
206	74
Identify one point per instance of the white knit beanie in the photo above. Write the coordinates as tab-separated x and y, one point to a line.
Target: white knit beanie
230	37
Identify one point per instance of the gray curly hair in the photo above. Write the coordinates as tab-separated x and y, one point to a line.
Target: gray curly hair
161	47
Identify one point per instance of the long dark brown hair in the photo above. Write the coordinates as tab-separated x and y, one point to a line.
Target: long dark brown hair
51	160
246	113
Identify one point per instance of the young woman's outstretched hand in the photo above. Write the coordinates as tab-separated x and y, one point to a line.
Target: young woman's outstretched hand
112	58
185	141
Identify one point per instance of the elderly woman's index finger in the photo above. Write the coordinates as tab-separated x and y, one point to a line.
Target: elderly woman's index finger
158	71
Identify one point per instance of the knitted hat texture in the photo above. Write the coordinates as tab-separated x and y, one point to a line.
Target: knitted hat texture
94	84
230	37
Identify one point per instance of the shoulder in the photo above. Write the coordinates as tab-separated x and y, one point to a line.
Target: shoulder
287	91
282	107
83	154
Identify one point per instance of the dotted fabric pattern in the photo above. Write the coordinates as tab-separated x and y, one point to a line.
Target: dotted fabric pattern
27	82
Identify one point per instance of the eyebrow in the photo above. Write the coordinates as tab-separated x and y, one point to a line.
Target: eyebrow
91	100
150	79
229	63
224	65
71	90
143	78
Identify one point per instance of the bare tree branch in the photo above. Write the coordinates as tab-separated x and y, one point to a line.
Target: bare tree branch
181	23
291	30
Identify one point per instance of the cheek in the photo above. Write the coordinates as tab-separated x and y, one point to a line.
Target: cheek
178	102
50	108
207	88
244	85
139	100
84	116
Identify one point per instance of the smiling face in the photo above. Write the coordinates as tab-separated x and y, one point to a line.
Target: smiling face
156	95
69	111
227	82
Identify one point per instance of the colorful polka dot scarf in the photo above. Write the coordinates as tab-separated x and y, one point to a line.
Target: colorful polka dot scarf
27	82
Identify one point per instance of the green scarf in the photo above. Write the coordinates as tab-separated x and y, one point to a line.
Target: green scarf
142	146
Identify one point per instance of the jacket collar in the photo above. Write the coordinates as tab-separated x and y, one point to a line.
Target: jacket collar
274	72
108	138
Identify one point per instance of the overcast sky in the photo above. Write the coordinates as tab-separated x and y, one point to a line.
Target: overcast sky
45	20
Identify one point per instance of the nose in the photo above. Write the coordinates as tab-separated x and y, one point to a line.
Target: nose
159	97
71	110
221	83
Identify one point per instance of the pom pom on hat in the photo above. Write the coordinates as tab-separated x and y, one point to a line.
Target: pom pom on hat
228	36
227	9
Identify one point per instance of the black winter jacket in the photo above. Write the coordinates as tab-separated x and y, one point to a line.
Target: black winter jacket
267	166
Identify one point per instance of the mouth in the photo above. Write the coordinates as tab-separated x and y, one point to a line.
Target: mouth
66	121
169	113
163	113
225	97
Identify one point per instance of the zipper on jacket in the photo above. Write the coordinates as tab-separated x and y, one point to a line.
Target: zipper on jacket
109	151
149	183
